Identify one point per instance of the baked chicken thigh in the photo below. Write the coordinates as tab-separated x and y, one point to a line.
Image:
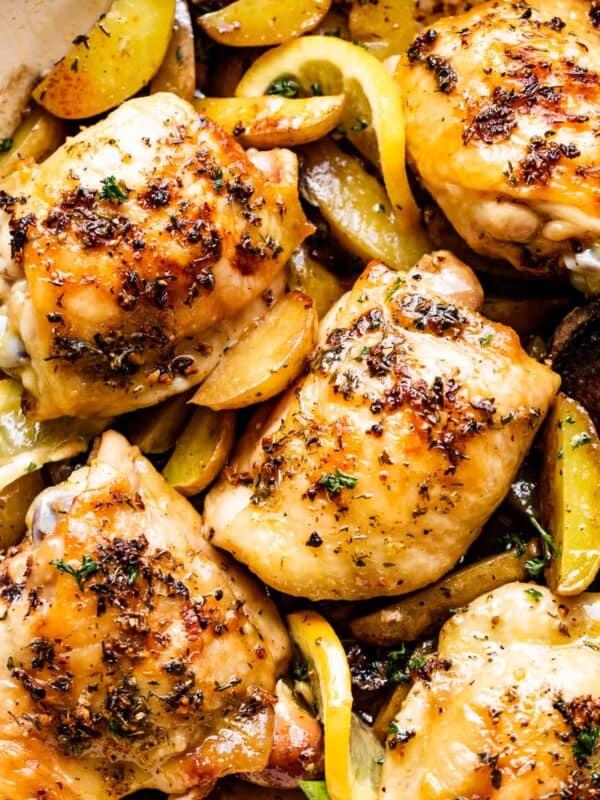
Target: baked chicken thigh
375	472
502	106
136	239
508	708
132	654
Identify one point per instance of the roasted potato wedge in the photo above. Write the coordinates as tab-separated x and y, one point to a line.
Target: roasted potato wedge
414	615
177	72
120	54
15	500
353	202
569	496
155	430
271	121
266	359
38	135
386	28
25	446
201	450
312	278
257	23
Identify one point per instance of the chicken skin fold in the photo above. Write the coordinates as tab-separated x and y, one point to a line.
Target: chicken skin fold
509	706
376	471
132	654
137	239
502	128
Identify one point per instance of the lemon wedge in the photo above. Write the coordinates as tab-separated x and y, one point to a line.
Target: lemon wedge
373	117
352	753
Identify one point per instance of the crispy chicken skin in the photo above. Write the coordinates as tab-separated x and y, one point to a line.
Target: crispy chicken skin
376	471
135	238
132	654
507	708
502	121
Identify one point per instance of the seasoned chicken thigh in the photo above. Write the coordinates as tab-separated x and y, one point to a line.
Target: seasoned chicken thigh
132	654
502	109
508	708
137	238
375	472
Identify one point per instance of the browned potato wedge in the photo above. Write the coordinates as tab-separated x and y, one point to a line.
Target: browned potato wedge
112	62
15	500
353	202
155	430
569	496
271	121
414	615
256	23
36	137
177	72
311	277
201	451
385	28
266	359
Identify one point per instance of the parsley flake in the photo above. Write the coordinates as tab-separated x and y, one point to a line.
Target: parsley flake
334	482
5	144
580	439
535	595
585	743
484	341
113	190
535	567
286	87
88	568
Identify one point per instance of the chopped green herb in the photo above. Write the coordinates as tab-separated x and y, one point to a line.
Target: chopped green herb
113	190
397	671
580	439
335	482
314	790
585	743
507	418
416	663
88	568
316	89
286	87
360	125
534	594
485	340
132	575
379	208
549	546
218	180
362	298
570	420
31	467
514	541
300	671
5	144
398	284
560	455
535	567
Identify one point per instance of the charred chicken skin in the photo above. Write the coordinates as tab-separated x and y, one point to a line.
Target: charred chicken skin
502	121
136	239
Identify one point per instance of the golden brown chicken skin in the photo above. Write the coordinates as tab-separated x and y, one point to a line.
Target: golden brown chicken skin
375	472
132	654
136	238
509	706
502	107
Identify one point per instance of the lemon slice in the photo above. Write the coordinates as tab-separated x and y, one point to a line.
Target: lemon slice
373	117
352	753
